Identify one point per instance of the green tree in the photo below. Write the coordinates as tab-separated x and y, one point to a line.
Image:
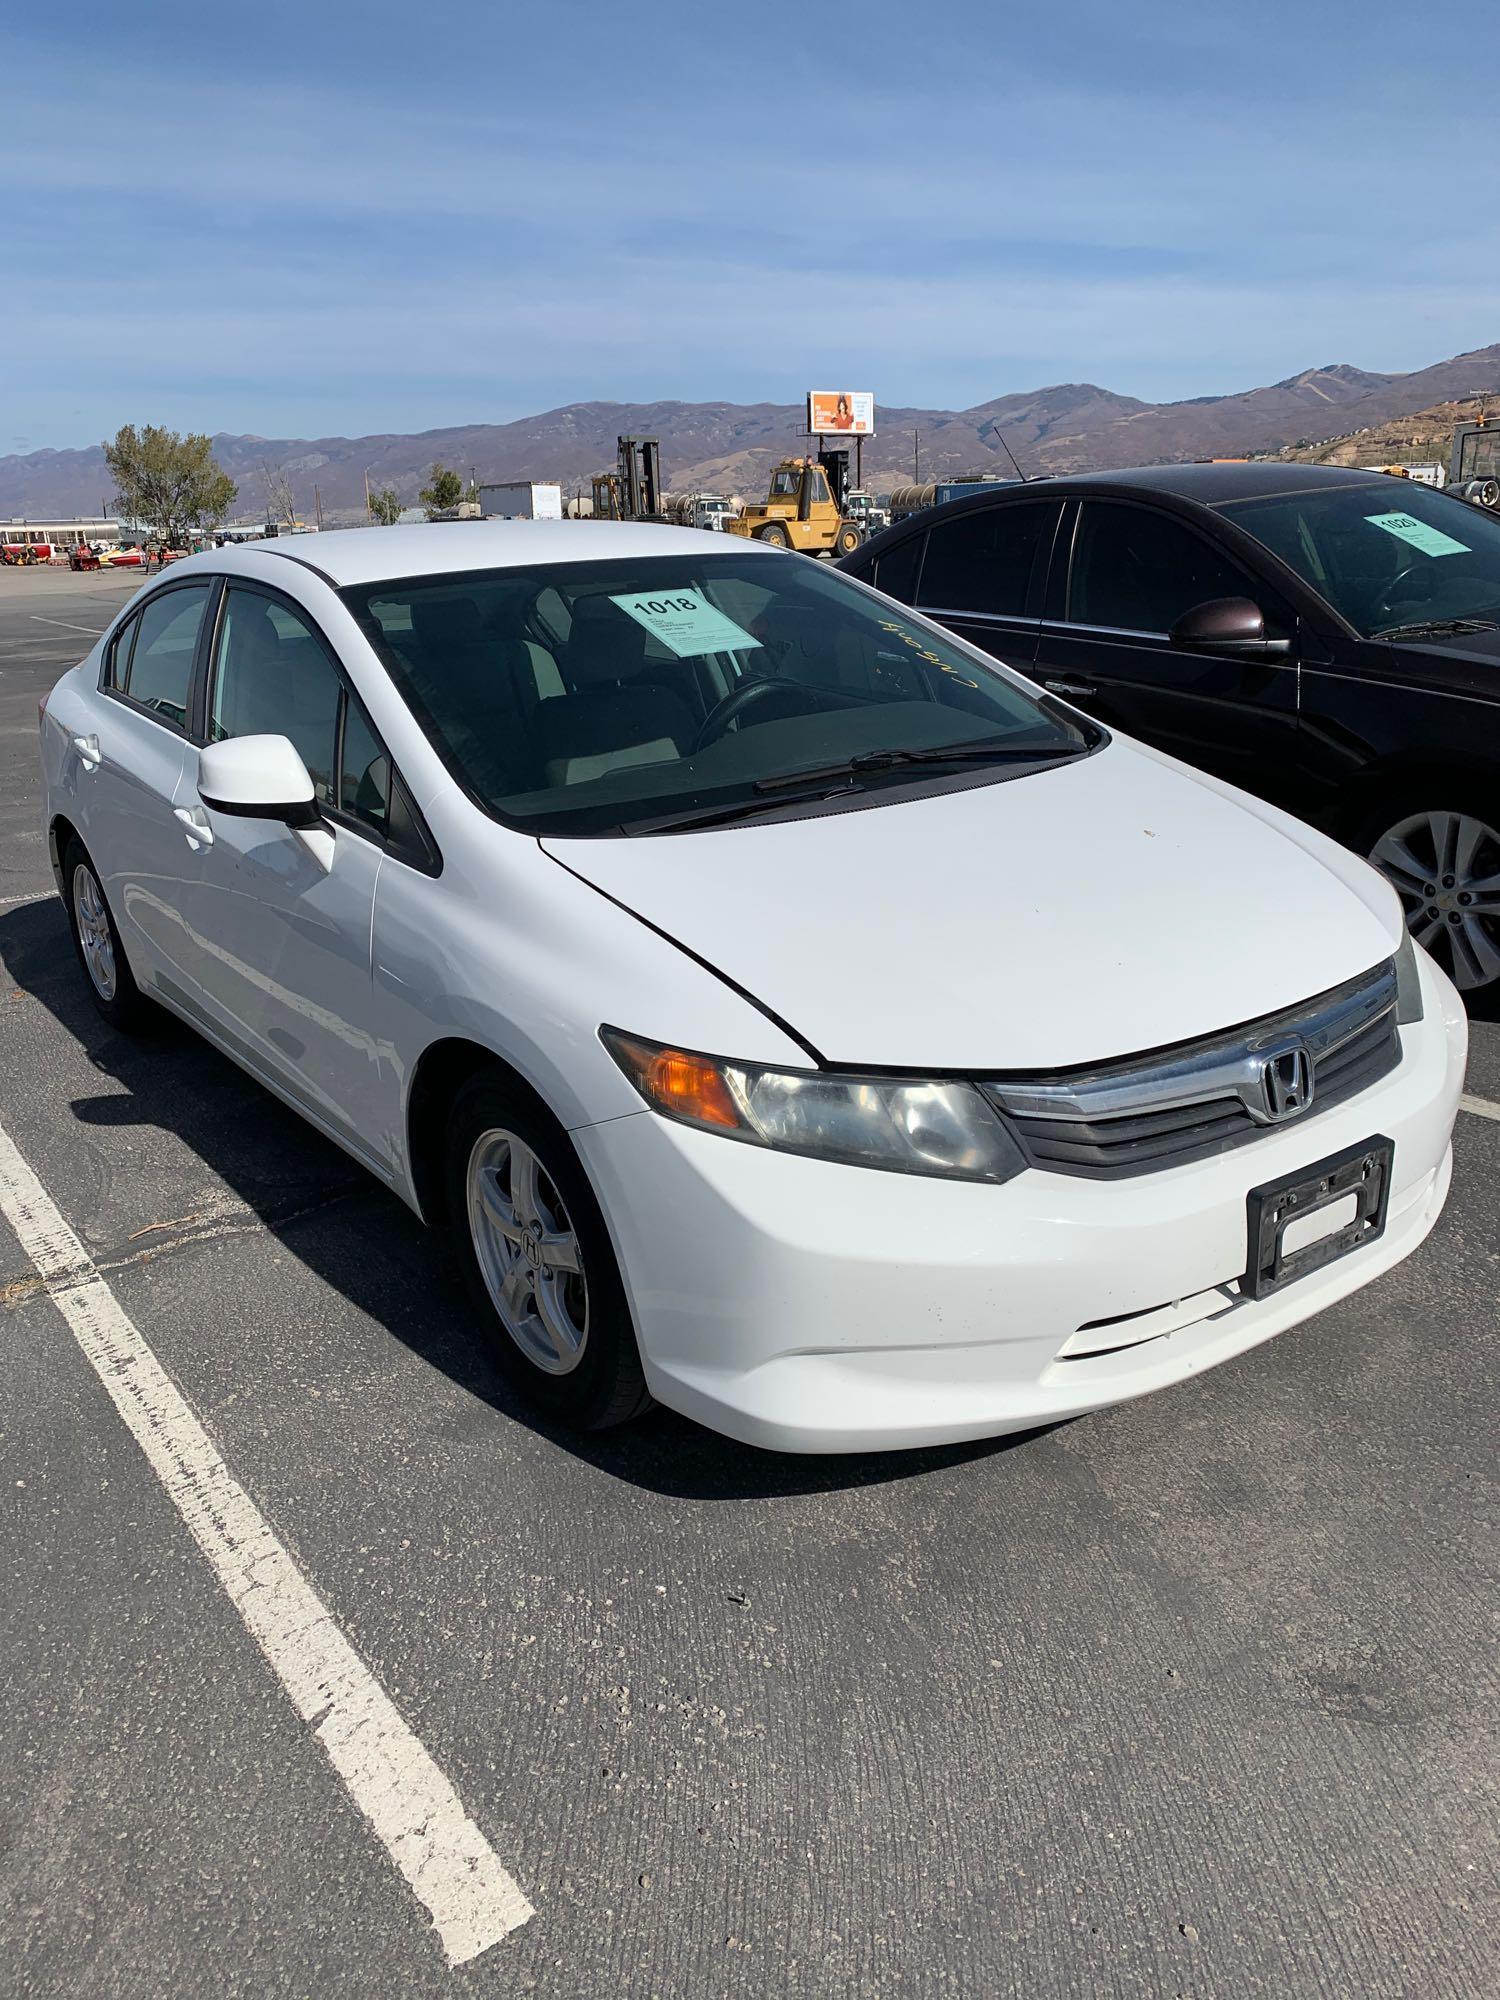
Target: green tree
385	506
445	490
169	484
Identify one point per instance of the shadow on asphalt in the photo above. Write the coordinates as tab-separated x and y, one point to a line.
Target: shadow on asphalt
341	1223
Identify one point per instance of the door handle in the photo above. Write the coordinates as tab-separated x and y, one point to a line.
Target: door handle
1071	687
88	752
194	822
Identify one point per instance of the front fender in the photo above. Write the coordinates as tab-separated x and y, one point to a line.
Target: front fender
510	950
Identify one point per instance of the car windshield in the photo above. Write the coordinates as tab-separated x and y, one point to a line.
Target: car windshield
1385	555
598	697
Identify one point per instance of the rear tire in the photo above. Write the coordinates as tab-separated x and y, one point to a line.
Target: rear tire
106	970
775	537
538	1265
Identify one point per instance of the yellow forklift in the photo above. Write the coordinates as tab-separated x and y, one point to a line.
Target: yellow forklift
800	511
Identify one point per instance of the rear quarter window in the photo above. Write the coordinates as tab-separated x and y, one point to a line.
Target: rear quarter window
898	568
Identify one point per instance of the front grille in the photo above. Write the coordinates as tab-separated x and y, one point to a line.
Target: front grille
1197	1099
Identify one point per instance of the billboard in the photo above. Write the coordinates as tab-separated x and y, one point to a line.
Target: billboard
830	411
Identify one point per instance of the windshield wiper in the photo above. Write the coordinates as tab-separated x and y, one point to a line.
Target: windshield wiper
1436	628
822	781
694	816
938	753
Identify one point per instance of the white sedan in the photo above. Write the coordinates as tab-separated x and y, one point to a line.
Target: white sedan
789	1014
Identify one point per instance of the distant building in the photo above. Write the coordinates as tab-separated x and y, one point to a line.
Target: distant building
59	534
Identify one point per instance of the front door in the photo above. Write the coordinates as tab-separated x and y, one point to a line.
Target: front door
1131	572
280	919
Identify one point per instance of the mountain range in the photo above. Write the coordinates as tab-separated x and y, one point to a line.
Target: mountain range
1070	427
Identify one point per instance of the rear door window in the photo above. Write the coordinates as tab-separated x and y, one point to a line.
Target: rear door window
982	561
159	671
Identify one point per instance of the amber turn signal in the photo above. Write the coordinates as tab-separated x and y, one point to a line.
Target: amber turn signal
681	1085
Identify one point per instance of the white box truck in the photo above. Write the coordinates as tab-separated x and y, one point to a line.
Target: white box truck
520	500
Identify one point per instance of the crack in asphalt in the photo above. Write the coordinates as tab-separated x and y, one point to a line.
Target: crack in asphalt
236	1219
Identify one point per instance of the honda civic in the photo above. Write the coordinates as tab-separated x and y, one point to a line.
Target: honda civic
789	1013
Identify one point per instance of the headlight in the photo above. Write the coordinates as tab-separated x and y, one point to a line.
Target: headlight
1408	983
900	1125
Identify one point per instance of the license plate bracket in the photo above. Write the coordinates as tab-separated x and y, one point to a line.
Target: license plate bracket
1364	1171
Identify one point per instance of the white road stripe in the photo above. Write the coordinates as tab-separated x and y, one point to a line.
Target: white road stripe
39	896
415	1812
1480	1106
94	631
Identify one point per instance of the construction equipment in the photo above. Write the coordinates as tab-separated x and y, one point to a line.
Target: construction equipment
1474	468
633	491
800	512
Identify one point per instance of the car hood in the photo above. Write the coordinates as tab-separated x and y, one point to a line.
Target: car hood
1090	910
1463	663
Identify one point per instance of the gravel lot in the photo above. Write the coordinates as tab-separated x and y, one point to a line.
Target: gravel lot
1192	1697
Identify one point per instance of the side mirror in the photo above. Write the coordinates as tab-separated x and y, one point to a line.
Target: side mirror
1235	626
257	777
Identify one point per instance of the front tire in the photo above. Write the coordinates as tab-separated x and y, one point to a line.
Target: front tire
96	939
538	1264
846	541
1445	866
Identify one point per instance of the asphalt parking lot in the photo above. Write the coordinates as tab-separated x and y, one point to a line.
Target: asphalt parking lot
1192	1697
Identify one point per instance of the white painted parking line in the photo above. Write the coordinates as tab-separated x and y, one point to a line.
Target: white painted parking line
1480	1106
39	896
416	1814
94	631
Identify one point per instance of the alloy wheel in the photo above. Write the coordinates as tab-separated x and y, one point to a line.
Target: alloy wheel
1445	866
94	932
528	1252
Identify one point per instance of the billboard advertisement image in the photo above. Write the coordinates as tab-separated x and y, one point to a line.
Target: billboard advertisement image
851	411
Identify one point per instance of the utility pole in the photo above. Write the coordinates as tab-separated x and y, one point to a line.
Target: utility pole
317	505
368	515
916	458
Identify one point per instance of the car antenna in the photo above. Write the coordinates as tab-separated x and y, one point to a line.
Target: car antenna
996	430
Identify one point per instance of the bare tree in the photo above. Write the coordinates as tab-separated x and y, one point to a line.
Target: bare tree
281	502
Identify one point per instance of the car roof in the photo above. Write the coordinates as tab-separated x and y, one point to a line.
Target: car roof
1218	480
442	548
1212	483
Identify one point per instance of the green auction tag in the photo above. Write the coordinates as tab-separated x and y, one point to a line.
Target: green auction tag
685	623
1431	541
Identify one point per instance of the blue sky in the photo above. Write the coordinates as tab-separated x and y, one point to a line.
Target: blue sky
315	219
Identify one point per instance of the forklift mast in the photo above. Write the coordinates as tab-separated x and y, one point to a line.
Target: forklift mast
640	477
835	462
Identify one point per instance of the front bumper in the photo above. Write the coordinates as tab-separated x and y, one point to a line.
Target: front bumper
805	1306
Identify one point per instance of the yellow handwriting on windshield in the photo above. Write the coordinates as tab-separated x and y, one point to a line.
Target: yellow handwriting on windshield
925	653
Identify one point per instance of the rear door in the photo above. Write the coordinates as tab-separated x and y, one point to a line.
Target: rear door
1123	575
129	773
982	573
